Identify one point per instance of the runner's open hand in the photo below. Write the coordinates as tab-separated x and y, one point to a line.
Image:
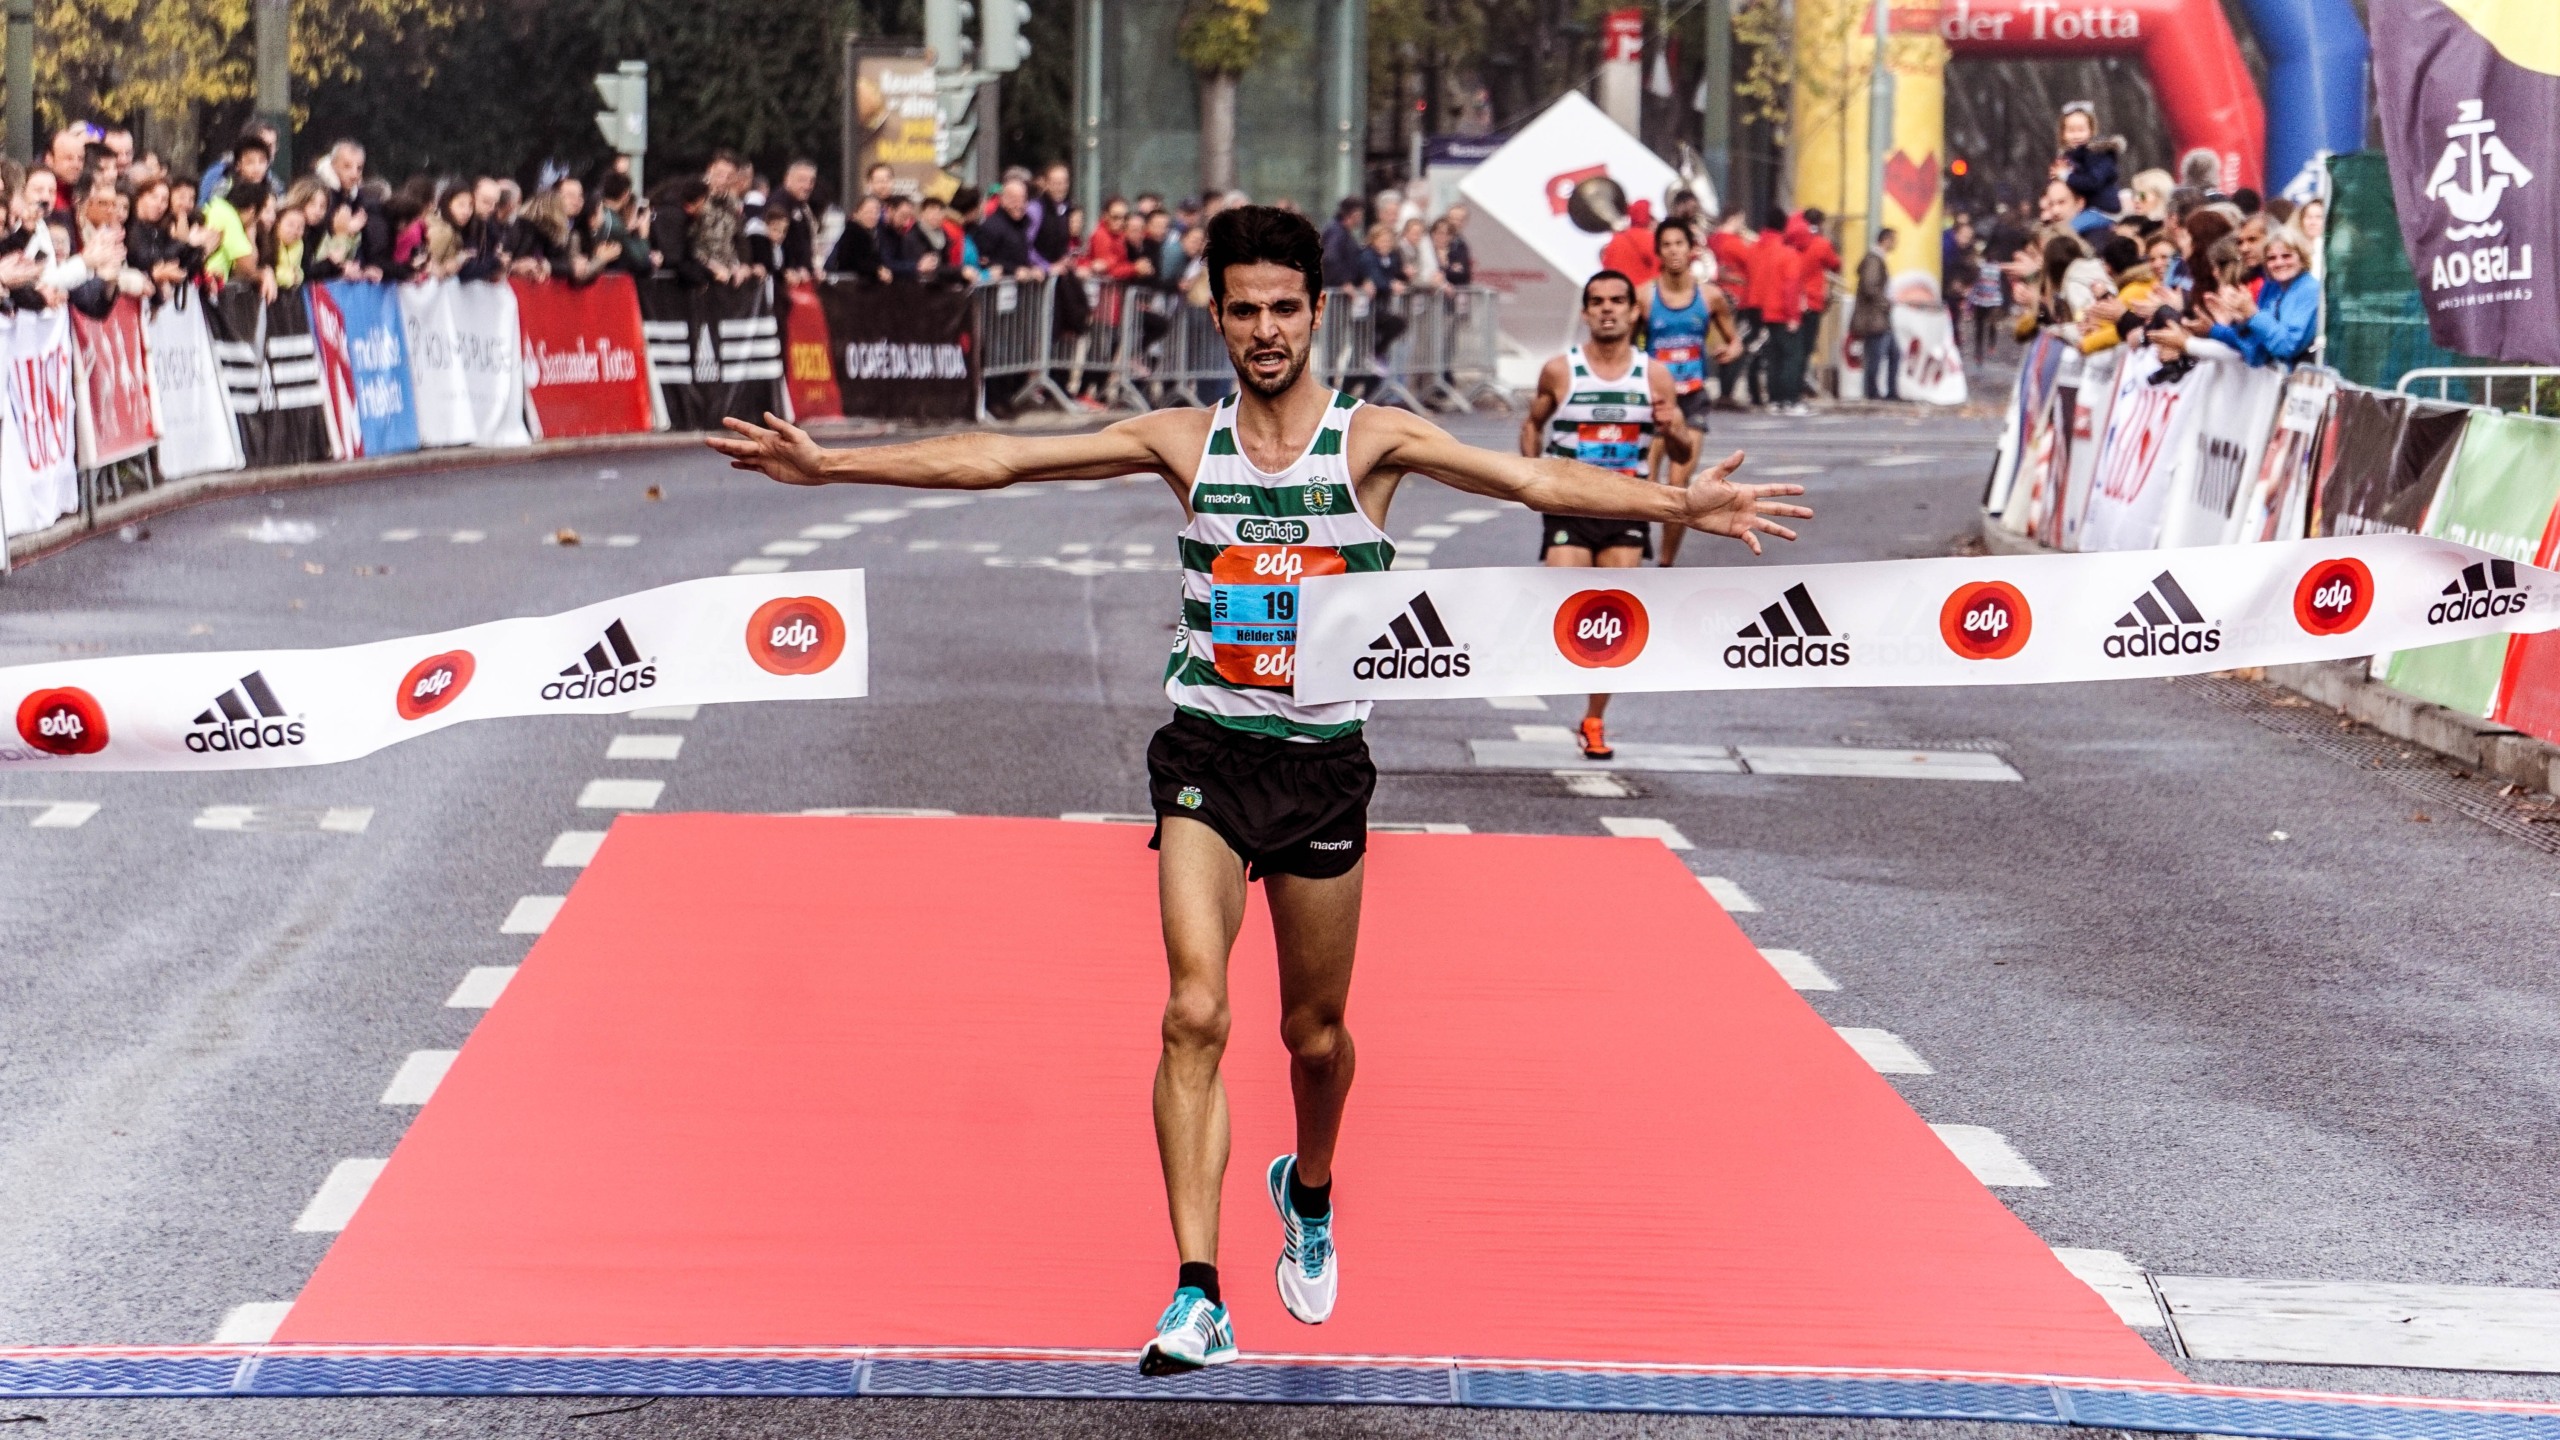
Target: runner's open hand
1720	507
783	451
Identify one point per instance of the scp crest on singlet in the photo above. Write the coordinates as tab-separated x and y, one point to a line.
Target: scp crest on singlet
1253	536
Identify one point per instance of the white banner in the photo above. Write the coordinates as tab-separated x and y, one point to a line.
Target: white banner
2278	506
1564	184
2233	416
2090	407
2149	425
198	433
1958	621
466	362
39	483
801	636
1932	356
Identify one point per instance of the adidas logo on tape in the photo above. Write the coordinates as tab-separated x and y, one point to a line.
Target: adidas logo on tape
248	716
2485	589
1789	635
612	666
1416	647
2163	621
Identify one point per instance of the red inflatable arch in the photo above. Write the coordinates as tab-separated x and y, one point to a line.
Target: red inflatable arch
2203	84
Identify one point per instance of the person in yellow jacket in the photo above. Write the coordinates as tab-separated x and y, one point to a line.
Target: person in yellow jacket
234	229
2134	282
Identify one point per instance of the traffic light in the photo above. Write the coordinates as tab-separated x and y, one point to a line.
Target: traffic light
946	31
1007	39
625	120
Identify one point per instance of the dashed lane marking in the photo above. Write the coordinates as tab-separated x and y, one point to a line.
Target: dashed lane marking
1593	785
874	517
1882	462
1417	547
1734	899
1516	702
414	1083
1082	485
1987	1153
665	712
915	547
2118	1281
401	536
827	532
2317	1322
1409	562
789	547
1417	827
1542	734
348	1183
621	542
532	914
759	567
1798	970
54	814
1137	549
573	849
644	747
480	988
333	819
940	502
1471	517
255	1323
1646	827
1855	763
1078	548
1777	471
1434	532
621	794
1884	1050
1552	747
468	537
1105	817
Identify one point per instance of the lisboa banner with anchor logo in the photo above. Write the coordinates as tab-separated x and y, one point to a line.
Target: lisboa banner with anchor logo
1447	634
729	638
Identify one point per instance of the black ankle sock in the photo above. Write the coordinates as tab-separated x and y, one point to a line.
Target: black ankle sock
1203	1278
1312	1202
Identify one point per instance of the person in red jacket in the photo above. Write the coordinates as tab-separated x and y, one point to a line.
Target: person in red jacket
1777	290
1822	261
1733	248
1630	252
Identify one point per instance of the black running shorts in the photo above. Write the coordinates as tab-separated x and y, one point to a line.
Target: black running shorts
1593	535
1695	407
1287	807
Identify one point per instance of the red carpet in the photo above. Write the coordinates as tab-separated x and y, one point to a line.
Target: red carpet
798	1081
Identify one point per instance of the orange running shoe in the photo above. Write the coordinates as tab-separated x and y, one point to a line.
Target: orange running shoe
1595	739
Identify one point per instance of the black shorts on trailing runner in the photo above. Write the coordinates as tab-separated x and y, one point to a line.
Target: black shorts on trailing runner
1593	535
1695	407
1288	807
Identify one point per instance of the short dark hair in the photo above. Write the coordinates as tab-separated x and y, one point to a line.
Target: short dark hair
1347	207
1618	275
1814	217
1676	223
2122	253
612	186
1263	234
251	140
1887	233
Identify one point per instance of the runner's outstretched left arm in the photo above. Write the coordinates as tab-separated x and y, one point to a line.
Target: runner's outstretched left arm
1554	486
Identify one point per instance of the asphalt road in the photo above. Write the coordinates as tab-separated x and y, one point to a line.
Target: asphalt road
2330	1057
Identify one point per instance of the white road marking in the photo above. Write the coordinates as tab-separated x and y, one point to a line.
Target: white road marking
903	812
621	794
255	1323
401	536
1417	547
1778	471
1416	827
1884	461
573	849
226	817
1593	785
1558	751
1645	827
664	712
1078	548
1798	970
1434	532
827	532
1543	734
348	1183
1734	899
644	747
415	1082
480	988
788	547
914	546
874	517
1856	763
346	819
759	567
336	819
2422	1327
1105	817
64	815
1516	702
1471	517
940	502
1884	1050
1137	549
1409	562
532	914
1082	485
1988	1155
983	547
621	542
2118	1281
468	537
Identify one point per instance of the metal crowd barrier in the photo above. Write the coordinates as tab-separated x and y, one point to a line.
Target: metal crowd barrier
1144	347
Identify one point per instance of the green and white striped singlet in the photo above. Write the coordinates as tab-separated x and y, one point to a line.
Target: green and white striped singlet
1608	423
1251	538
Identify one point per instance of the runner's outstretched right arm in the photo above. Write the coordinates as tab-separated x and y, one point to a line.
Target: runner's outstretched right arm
978	461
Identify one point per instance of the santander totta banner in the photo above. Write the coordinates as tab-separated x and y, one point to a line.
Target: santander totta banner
582	357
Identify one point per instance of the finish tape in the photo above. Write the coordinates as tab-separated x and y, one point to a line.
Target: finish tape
1992	621
731	638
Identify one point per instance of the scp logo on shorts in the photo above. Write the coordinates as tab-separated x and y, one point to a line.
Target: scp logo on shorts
433	683
1986	620
1601	629
2334	596
801	635
64	721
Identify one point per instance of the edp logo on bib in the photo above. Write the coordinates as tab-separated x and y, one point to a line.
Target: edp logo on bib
801	635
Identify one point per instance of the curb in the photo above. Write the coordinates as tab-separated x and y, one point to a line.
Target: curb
2345	686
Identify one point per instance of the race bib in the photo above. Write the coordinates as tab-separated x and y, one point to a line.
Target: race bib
1687	364
1253	609
1617	446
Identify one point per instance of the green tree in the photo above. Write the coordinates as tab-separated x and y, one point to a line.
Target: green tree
1220	40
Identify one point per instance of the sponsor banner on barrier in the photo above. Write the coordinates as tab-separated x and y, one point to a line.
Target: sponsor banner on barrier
730	638
371	402
903	352
117	418
2233	413
39	481
337	374
2085	444
582	356
1958	621
808	358
464	368
198	432
2279	503
2365	493
2036	372
2498	496
714	351
271	370
2150	422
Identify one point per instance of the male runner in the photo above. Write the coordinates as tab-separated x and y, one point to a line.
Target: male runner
1606	404
1283	479
1686	326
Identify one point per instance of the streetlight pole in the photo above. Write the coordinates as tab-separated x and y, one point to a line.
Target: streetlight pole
275	85
22	81
1879	120
1718	84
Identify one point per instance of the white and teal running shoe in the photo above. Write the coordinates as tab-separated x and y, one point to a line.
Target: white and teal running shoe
1191	1333
1309	1272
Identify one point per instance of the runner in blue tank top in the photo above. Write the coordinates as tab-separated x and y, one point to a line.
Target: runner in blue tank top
1286	478
1686	336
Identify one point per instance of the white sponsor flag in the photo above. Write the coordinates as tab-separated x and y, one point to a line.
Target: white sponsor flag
1925	340
2149	426
2091	405
198	432
1560	184
2215	472
1962	621
801	636
39	481
466	362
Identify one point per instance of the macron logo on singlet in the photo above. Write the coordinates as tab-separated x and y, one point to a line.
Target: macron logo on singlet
1225	498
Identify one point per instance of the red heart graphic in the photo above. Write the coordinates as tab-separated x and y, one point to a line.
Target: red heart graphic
1913	184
